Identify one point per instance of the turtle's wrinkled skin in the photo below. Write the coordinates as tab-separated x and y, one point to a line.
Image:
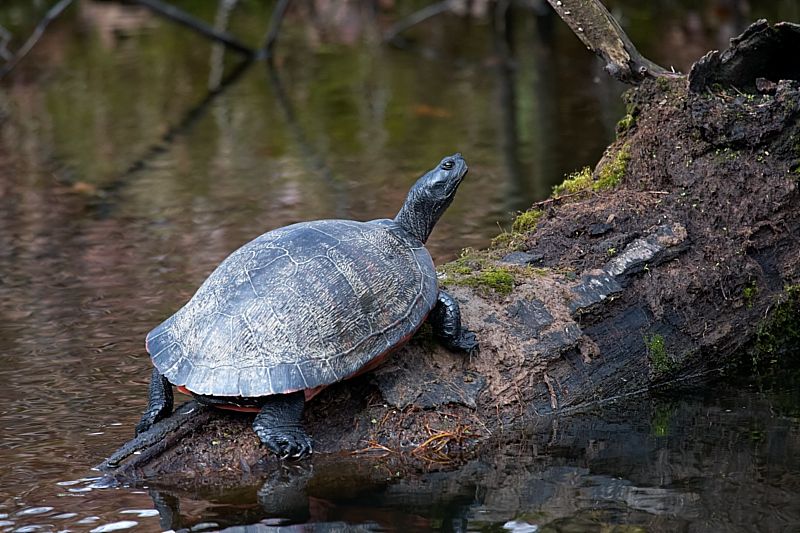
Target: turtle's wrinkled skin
305	306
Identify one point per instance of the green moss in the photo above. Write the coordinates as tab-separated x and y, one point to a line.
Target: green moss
611	174
625	123
657	353
523	224
468	262
509	241
527	221
608	176
749	293
474	270
497	279
575	182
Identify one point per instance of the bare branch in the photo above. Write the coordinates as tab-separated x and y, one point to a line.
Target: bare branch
601	34
51	15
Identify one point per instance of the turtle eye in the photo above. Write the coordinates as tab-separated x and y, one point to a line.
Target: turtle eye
448	165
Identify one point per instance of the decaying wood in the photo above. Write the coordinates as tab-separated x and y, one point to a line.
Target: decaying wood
762	52
602	34
615	291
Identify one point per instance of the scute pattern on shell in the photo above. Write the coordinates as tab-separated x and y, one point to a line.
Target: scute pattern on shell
298	307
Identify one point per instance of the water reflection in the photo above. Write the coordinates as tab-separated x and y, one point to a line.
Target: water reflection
659	464
134	156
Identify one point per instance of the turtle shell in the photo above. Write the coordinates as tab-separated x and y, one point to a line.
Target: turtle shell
298	307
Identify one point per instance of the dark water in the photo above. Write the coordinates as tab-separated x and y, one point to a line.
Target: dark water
134	156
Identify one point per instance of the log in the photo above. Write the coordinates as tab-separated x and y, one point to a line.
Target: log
671	256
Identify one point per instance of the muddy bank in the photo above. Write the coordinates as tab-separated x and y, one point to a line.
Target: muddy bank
660	264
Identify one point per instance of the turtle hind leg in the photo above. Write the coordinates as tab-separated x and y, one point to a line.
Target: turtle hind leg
279	425
159	402
446	321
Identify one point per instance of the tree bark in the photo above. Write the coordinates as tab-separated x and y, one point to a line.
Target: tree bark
602	34
599	294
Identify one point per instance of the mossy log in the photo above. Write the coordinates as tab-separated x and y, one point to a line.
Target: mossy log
661	264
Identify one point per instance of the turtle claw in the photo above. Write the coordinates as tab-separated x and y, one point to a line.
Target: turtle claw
286	442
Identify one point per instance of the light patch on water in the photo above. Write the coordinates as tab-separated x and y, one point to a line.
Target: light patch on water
64	516
520	527
80	489
88	520
68	483
204	525
33	511
27	529
115	526
4	523
141	513
103	483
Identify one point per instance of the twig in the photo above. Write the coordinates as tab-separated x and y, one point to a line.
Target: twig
415	18
274	27
51	15
373	446
181	17
558	198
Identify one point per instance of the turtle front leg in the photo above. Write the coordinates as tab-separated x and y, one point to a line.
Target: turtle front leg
446	321
279	425
159	402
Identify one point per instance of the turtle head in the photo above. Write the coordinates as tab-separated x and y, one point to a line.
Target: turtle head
430	196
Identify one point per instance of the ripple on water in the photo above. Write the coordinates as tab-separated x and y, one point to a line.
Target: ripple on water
141	513
33	511
115	526
64	516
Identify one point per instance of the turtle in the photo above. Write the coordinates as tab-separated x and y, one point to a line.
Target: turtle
304	306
